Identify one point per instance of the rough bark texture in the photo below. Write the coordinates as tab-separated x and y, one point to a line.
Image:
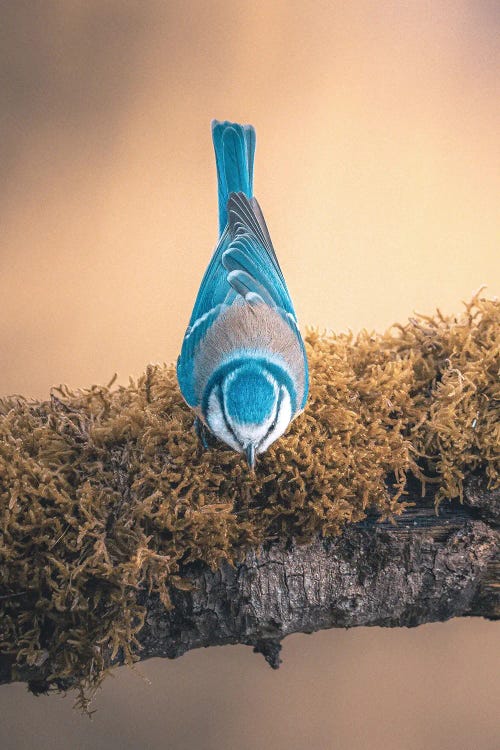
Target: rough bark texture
425	568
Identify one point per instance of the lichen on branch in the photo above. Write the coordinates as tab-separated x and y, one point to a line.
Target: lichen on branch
106	493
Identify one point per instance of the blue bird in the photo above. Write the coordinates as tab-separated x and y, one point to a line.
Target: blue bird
243	366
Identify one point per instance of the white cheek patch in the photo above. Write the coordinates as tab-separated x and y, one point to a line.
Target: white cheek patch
282	422
217	423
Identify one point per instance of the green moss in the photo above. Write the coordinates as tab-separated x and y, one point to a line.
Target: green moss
105	491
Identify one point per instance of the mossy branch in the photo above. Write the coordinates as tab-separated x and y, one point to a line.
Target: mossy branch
122	539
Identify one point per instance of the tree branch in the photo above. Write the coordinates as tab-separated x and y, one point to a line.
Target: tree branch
424	568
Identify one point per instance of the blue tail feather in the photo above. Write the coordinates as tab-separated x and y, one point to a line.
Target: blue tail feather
234	154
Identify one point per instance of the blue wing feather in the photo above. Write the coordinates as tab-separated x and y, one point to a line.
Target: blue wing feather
185	362
214	287
251	250
252	254
245	285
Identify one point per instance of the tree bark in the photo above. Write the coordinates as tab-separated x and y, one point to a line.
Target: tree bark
424	568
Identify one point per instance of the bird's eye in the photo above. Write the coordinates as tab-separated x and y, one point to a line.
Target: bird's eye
274	423
271	428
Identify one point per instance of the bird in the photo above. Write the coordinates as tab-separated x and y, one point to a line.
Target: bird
243	366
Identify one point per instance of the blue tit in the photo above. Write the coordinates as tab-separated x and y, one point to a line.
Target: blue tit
243	365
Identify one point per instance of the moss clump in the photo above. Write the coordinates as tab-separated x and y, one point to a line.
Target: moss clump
106	491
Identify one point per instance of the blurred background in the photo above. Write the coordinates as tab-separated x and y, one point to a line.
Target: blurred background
378	170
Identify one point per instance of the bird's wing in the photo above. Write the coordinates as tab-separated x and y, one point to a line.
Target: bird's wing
214	295
254	271
214	288
250	259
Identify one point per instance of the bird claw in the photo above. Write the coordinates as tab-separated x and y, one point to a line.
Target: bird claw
201	431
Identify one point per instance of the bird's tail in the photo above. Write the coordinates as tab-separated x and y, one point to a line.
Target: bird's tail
234	153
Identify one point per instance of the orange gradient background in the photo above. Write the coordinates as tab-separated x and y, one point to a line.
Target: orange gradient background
377	168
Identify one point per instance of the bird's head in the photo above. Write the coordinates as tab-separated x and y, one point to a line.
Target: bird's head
249	405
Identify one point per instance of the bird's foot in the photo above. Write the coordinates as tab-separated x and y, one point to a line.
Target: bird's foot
202	432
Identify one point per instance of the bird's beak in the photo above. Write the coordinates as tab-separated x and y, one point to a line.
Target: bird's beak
250	454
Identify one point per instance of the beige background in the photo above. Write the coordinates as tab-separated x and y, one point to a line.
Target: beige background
378	171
